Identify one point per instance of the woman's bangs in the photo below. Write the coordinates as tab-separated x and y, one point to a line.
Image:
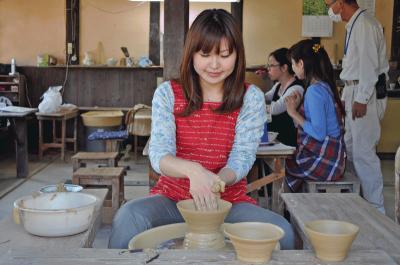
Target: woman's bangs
211	39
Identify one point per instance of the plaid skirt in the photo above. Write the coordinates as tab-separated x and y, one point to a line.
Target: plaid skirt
316	160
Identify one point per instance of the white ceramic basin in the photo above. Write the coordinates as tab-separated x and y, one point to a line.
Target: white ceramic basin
55	214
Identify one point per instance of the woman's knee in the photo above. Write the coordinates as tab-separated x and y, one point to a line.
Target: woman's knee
129	221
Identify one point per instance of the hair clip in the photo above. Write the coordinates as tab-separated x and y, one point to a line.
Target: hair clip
316	47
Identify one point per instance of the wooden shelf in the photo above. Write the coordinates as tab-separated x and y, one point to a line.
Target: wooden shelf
16	81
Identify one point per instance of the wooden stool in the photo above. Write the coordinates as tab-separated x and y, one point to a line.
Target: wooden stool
63	116
349	184
106	176
81	158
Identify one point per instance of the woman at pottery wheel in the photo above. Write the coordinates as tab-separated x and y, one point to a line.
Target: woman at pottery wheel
206	127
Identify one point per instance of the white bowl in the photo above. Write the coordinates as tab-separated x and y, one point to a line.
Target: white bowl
55	214
67	187
272	136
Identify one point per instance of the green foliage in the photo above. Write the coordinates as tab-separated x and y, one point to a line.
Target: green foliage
314	8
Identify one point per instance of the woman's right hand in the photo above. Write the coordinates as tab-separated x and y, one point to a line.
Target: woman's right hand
201	187
261	73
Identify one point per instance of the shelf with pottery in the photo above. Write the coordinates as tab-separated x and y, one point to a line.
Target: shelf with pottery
13	88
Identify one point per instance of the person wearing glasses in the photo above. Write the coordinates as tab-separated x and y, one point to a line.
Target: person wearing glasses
364	72
280	71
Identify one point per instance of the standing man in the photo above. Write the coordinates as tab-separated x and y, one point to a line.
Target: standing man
364	73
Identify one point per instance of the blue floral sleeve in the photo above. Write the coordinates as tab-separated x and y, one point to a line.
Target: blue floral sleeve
248	132
163	129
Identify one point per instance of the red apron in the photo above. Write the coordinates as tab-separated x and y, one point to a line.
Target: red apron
205	137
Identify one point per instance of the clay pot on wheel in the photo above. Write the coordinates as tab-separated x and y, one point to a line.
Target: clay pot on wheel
204	227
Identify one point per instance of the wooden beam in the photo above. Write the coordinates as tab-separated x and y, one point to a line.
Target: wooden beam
176	23
154	38
395	53
237	13
72	31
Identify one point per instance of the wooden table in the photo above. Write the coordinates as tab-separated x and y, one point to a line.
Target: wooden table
19	126
13	236
88	256
277	155
63	115
377	231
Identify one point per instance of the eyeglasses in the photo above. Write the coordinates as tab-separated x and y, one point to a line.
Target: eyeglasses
269	66
331	4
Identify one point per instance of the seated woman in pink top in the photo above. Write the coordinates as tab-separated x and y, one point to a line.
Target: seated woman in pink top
206	127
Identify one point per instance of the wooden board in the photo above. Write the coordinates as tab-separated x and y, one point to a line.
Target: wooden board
377	231
15	236
168	257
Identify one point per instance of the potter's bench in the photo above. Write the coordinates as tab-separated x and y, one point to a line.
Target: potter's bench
15	236
377	231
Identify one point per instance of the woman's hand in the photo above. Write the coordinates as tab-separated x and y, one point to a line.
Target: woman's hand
261	73
292	102
201	187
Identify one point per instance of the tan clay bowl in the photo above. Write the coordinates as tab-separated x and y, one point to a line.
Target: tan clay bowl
204	227
203	221
331	239
254	241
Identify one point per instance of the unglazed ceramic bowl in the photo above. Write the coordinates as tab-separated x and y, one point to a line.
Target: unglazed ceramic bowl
331	239
253	241
204	227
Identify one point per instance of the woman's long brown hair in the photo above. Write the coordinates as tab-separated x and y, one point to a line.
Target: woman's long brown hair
205	34
316	65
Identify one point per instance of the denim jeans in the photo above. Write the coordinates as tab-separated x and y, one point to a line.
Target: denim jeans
142	214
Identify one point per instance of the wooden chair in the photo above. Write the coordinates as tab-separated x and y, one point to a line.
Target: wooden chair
397	186
138	122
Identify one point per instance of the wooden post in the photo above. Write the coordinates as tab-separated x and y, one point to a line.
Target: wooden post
397	187
237	13
176	23
395	54
72	31
21	144
154	38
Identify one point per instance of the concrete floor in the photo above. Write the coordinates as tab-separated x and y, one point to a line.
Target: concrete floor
136	185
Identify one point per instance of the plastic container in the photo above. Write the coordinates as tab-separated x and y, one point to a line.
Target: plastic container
97	145
102	119
55	214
